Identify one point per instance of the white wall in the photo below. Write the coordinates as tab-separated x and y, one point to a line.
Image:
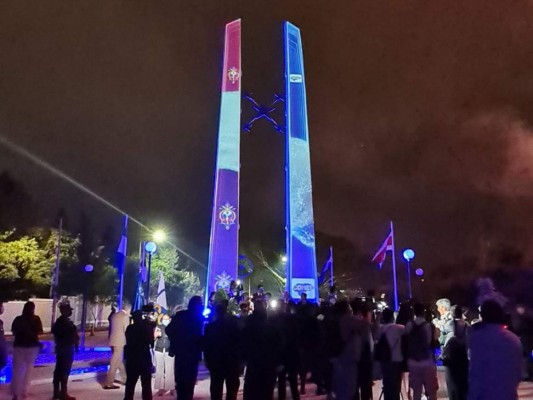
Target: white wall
43	308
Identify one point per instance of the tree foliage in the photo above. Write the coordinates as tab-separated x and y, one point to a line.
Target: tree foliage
180	284
27	261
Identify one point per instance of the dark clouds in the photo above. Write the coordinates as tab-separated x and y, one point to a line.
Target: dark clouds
418	111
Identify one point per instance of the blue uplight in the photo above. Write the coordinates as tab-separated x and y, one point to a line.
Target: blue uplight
207	312
419	272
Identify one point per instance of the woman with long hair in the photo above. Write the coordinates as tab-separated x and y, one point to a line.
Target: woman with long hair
26	329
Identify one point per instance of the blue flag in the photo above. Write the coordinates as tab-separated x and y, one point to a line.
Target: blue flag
121	260
328	267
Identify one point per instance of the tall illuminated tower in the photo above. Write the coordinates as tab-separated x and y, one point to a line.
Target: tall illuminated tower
224	241
301	254
223	249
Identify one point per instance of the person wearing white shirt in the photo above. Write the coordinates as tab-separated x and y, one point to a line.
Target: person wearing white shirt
392	370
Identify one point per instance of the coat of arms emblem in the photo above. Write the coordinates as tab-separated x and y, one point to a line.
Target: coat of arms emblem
227	215
233	75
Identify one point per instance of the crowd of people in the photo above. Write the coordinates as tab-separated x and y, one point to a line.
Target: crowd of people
341	346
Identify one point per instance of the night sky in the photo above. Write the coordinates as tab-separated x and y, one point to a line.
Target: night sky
419	112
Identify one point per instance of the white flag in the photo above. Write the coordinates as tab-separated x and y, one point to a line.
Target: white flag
161	294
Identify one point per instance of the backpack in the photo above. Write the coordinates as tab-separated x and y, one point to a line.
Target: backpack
455	350
382	350
418	344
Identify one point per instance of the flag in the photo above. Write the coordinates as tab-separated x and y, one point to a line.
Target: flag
139	295
161	294
388	245
121	260
327	267
142	267
122	248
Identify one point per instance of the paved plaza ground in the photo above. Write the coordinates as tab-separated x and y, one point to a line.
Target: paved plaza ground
88	388
86	384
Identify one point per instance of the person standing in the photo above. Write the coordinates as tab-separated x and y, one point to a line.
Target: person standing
289	326
164	363
455	355
26	328
222	353
66	340
263	343
445	316
185	335
420	355
345	364
3	348
391	333
495	352
365	365
113	312
118	323
138	356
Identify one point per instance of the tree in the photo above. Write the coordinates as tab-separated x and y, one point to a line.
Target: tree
268	270
180	284
100	284
26	262
16	207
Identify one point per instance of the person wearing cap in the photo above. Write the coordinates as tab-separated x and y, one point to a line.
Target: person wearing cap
66	340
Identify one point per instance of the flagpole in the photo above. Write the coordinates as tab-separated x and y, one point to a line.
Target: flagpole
396	306
122	267
331	274
55	279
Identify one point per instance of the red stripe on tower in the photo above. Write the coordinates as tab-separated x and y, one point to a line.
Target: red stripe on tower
231	81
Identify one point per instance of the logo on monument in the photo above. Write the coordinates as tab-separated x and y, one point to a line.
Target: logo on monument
233	75
302	285
295	78
227	215
222	281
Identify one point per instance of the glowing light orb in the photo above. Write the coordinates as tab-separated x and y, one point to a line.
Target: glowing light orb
408	254
150	247
419	272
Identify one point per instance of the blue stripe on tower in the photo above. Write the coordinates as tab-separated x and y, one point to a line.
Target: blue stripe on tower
301	257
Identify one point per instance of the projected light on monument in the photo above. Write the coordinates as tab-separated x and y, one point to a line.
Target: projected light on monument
223	249
301	263
224	241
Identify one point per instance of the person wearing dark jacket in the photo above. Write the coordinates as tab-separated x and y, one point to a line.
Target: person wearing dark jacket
164	362
263	344
222	353
138	356
290	328
66	340
26	329
185	334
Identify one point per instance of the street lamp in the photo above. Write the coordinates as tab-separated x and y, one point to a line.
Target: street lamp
408	255
88	269
150	248
159	236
